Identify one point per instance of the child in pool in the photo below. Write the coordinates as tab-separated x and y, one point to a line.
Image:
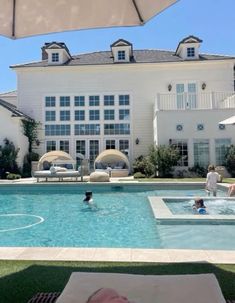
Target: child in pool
199	205
211	180
88	200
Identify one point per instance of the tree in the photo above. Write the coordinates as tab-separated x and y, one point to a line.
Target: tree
163	158
230	160
30	130
8	156
143	165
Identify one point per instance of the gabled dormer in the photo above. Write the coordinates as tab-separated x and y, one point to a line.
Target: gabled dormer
56	53
121	51
188	48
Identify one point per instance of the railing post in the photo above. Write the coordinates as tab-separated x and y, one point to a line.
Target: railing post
212	100
157	103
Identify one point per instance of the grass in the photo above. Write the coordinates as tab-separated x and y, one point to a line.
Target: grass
225	180
20	280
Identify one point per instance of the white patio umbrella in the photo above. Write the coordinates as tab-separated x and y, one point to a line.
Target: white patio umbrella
22	18
228	121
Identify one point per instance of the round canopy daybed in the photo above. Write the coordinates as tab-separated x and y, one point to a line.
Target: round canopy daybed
56	158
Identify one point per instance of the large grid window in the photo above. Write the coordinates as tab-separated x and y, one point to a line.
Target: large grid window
94	100
64	115
94	114
50	145
124	100
108	100
109	114
117	129
81	147
124	146
79	115
57	130
93	152
50	115
124	114
79	101
64	146
121	55
86	129
64	101
110	144
182	147
201	152
190	52
221	148
55	57
50	101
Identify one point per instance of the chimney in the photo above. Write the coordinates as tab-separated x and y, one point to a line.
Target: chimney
44	53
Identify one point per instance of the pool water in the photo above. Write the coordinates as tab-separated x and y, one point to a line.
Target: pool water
219	206
55	216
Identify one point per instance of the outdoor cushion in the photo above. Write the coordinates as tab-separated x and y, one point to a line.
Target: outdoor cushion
201	288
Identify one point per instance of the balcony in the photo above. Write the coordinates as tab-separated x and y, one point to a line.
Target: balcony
194	101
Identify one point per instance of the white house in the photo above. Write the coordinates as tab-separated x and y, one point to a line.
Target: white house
129	99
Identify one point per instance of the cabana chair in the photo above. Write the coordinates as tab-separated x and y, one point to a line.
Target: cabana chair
197	288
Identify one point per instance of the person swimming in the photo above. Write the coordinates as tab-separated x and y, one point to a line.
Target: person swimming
199	206
89	201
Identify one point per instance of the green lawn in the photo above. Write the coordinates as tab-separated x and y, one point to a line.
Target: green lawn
225	180
20	280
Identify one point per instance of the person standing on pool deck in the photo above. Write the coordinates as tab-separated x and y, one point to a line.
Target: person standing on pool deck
211	180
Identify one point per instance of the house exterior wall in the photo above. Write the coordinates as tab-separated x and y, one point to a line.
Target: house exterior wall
13	133
142	82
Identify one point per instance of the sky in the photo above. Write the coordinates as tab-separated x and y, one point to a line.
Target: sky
212	21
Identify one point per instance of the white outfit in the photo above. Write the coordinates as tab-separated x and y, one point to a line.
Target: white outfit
211	182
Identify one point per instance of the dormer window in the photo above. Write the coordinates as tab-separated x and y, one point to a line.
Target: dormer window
190	52
55	57
121	55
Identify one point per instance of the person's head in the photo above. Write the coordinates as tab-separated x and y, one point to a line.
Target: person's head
88	194
199	202
107	295
211	167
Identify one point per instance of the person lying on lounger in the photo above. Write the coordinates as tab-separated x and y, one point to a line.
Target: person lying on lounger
107	295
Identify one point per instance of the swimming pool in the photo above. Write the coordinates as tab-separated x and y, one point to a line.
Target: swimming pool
55	216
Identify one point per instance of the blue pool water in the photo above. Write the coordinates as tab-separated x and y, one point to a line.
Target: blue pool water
55	216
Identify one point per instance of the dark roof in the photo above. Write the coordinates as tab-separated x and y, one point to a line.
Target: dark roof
189	39
58	44
12	108
12	93
120	41
139	56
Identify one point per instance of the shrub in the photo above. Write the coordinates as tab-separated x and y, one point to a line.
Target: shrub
230	160
143	165
8	156
198	171
11	176
163	158
139	175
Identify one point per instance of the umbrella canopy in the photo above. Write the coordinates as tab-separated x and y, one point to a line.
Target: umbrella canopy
112	157
55	156
228	121
22	18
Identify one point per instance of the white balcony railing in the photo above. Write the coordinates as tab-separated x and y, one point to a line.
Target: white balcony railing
194	101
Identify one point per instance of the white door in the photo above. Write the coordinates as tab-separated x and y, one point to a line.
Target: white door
186	95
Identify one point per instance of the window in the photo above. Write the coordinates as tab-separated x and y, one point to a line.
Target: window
79	101
64	115
50	101
124	114
109	114
94	100
81	147
79	115
64	101
200	126
94	114
179	127
55	57
108	100
124	100
121	55
86	129
190	52
124	146
57	130
50	145
64	146
93	152
221	127
50	115
117	129
110	144
221	147
182	147
201	152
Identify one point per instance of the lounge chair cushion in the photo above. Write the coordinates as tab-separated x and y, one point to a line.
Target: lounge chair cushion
201	288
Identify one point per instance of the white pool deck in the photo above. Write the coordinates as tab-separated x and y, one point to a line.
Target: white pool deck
114	254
